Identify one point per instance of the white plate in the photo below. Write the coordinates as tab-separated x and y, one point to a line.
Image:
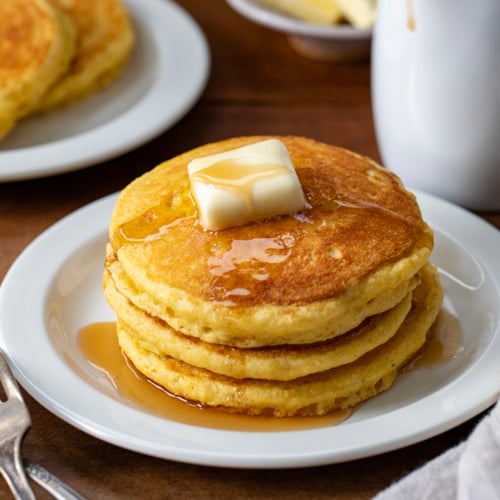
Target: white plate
54	289
166	73
340	42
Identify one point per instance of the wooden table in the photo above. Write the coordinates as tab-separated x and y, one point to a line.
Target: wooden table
258	85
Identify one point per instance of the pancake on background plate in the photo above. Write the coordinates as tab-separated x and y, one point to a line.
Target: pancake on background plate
290	315
37	44
104	40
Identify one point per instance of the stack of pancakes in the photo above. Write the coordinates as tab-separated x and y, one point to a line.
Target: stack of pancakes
294	315
53	52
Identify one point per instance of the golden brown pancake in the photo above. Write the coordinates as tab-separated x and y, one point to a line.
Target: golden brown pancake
37	43
316	394
291	315
299	279
275	363
105	39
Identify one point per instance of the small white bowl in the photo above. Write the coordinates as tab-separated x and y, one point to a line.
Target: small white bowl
339	43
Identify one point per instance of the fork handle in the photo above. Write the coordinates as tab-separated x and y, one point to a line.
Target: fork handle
12	470
51	483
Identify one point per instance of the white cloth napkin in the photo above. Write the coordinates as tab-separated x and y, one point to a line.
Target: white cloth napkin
469	471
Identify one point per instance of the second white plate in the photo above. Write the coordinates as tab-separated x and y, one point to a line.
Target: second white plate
53	290
165	76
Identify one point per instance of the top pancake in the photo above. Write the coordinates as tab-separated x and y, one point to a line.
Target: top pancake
36	46
363	235
105	38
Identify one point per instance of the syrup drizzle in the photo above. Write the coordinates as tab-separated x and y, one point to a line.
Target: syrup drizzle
238	177
411	15
248	259
269	248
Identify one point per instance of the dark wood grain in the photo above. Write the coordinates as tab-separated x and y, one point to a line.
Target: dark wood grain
258	85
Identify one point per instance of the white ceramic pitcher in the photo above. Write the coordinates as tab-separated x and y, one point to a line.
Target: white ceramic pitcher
436	96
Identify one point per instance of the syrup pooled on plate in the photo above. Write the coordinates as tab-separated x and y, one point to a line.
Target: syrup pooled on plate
444	343
98	342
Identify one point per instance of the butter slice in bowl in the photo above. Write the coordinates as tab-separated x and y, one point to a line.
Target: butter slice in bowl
313	11
242	185
324	30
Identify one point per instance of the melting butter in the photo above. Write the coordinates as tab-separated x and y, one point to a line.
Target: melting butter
245	184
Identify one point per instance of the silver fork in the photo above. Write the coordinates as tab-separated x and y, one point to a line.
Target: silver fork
14	422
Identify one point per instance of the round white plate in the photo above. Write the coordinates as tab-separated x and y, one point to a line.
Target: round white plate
165	76
54	289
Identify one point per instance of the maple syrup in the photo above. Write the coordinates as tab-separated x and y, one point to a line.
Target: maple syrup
248	258
259	255
443	344
238	177
98	343
411	15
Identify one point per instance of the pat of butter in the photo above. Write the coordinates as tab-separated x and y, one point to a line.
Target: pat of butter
245	184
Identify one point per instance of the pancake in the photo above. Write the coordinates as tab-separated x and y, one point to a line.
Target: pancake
317	394
37	43
286	280
105	39
290	315
320	321
272	363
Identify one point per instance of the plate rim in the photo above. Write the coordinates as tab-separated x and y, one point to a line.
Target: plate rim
189	450
42	160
